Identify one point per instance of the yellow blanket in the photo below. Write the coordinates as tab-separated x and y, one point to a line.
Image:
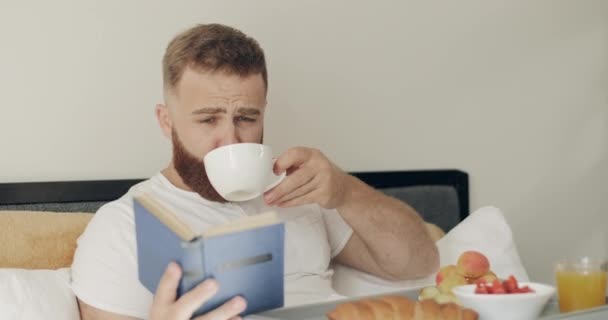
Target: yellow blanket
39	240
47	240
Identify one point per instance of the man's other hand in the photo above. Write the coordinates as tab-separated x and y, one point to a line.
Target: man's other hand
166	305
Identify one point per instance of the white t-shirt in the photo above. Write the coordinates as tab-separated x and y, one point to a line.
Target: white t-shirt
104	271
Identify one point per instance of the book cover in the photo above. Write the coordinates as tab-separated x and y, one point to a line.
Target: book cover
244	256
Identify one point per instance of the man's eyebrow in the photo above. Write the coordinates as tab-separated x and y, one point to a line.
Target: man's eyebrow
248	111
209	111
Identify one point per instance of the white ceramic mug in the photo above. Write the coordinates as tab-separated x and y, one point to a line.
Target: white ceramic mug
242	171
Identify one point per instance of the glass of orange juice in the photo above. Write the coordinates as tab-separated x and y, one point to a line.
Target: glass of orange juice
581	283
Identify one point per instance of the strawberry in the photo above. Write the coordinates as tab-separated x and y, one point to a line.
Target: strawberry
510	285
525	289
496	287
499	290
481	289
512	279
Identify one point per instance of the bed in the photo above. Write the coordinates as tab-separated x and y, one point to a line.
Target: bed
40	222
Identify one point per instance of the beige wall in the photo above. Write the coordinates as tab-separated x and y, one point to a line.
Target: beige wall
514	92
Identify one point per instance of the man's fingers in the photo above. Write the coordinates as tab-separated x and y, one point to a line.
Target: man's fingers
289	184
293	157
299	201
228	310
306	188
166	291
194	298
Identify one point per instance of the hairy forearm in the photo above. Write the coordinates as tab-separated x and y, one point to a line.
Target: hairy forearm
392	231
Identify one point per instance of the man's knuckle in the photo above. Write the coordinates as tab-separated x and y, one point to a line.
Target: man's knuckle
294	152
325	166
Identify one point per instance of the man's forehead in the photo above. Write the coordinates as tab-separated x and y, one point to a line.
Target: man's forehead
221	81
198	89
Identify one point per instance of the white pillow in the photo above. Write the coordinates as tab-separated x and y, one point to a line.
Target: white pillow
37	294
485	230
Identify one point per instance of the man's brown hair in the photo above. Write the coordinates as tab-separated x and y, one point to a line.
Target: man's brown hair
213	48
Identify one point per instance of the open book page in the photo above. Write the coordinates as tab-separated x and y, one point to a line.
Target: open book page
245	223
166	216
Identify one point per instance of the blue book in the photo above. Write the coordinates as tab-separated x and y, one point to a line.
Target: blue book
245	256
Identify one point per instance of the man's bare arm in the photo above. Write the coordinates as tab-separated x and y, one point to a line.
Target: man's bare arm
390	239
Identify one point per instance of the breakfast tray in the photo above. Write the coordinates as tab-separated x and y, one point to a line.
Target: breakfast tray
318	311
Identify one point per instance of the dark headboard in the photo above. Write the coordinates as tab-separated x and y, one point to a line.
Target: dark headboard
441	196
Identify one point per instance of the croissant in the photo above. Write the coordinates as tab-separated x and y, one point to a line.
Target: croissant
399	308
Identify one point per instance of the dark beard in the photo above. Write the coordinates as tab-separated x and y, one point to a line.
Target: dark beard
192	171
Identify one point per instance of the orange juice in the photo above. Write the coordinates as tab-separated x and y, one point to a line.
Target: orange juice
580	289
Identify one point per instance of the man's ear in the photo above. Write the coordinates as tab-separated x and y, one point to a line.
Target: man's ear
164	119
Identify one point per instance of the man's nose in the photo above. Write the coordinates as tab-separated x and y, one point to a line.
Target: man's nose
230	136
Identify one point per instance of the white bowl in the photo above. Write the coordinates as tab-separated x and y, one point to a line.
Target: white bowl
514	306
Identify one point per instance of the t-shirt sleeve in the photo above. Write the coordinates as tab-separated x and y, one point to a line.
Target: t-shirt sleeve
338	231
104	271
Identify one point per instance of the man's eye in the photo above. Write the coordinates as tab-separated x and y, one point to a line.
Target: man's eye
208	120
245	119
